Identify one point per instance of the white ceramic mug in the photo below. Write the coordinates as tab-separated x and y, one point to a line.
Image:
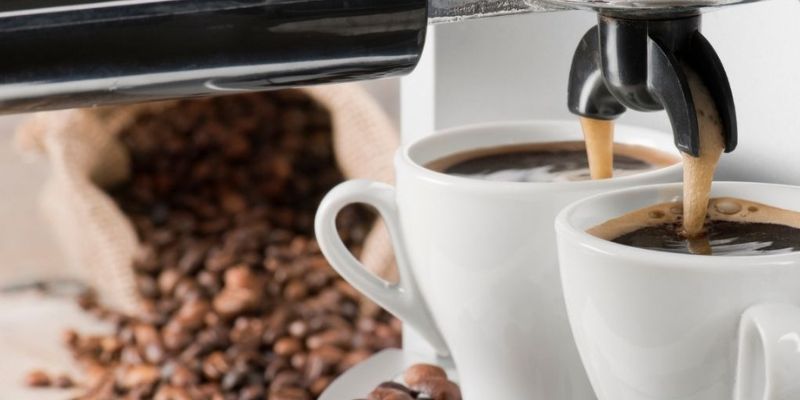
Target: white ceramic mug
655	326
477	259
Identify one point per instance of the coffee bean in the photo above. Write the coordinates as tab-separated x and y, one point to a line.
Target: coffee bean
400	387
239	277
87	300
209	281
417	373
275	366
154	353
298	328
424	381
233	302
287	346
166	392
146	259
286	378
382	393
298	361
145	334
176	336
63	381
252	392
191	314
187	289
319	385
167	280
335	337
192	257
131	355
330	355
179	375
232	380
295	290
37	378
132	376
111	344
247	332
289	393
69	337
215	365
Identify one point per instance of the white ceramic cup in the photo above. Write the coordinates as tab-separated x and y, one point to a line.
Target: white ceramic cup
655	326
477	259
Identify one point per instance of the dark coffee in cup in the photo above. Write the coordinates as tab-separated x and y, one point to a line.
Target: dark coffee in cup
547	162
733	227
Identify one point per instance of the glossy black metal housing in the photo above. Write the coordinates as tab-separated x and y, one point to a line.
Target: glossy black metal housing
72	53
639	64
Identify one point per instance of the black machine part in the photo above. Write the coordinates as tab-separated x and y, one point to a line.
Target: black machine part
637	63
76	53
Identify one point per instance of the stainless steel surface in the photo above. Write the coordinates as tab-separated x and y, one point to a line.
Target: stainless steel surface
442	11
646	6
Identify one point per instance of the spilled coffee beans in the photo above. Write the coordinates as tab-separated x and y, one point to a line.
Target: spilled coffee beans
239	303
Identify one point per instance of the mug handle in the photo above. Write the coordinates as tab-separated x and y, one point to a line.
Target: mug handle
769	353
401	299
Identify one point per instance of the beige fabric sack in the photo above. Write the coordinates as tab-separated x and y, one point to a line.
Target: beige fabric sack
85	156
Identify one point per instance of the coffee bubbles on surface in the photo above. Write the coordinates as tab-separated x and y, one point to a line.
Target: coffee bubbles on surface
547	162
732	227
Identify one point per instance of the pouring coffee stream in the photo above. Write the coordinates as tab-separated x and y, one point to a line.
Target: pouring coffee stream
698	171
599	137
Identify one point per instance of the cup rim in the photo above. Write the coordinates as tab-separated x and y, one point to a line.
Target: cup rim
403	155
566	230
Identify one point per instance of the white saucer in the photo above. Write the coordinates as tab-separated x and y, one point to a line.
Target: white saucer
387	365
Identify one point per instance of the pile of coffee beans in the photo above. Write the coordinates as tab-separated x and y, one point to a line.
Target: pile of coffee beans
238	301
422	381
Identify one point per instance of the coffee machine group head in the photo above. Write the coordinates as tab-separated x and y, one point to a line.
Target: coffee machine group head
636	57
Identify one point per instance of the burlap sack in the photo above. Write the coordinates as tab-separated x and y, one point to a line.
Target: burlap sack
98	240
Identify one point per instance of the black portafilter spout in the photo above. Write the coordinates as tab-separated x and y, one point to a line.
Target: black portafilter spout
636	63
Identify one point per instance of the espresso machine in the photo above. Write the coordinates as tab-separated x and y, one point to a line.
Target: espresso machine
61	54
533	59
528	77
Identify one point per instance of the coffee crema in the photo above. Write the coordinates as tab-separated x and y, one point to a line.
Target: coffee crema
733	227
547	162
